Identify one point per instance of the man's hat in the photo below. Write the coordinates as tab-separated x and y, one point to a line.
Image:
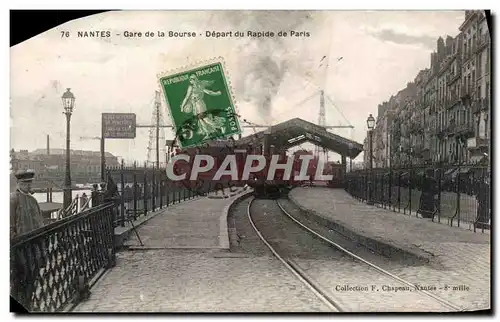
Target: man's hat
24	175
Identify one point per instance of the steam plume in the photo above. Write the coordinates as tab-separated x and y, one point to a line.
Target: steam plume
266	61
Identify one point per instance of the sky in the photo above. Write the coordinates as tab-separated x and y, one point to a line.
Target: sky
381	51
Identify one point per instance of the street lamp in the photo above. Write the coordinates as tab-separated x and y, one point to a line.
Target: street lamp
68	100
370	122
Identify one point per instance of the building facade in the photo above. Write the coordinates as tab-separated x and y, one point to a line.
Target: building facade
52	163
443	115
478	64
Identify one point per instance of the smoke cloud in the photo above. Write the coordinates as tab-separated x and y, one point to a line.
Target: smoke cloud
266	61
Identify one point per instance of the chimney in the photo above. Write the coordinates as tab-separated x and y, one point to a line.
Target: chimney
440	49
48	145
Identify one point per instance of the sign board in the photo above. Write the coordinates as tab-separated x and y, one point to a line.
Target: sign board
169	143
118	125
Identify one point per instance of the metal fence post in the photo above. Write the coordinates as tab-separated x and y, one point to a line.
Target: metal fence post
459	187
459	178
390	186
134	190
167	191
440	178
160	192
153	190
145	194
399	190
382	192
365	184
122	195
457	201
381	178
410	186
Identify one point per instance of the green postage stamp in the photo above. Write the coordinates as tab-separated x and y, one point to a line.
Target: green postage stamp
200	103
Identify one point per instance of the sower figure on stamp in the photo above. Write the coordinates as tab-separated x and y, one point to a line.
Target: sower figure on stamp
25	216
193	103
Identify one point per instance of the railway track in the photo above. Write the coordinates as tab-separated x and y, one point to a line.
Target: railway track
337	302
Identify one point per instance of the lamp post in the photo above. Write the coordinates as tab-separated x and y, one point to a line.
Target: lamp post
370	122
68	100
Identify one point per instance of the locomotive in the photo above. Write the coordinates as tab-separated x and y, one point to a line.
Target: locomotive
273	188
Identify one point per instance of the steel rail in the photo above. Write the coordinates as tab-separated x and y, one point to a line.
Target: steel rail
383	271
312	286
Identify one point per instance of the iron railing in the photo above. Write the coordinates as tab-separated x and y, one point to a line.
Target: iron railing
457	195
51	266
71	210
144	190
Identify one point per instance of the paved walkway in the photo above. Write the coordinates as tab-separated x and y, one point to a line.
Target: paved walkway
198	223
185	266
457	256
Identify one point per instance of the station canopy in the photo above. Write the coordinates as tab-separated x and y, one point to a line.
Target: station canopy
296	131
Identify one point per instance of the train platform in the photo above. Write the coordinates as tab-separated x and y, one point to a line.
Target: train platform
444	255
185	266
197	223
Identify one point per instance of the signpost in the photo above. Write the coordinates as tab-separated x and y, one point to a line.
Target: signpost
116	126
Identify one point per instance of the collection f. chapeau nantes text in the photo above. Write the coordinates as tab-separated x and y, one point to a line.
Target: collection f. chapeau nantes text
188	34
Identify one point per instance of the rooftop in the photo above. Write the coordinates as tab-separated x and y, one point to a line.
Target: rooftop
73	152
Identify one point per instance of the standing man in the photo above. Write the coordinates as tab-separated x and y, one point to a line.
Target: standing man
25	216
25	213
428	194
484	206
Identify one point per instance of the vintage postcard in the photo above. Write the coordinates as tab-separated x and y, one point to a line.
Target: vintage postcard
251	161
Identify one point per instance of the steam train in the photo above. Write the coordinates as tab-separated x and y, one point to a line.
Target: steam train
278	185
263	187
